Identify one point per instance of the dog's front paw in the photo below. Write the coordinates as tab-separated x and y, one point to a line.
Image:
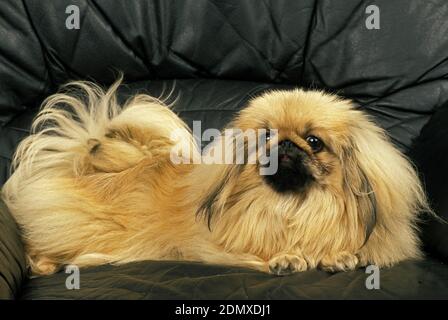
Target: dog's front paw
284	264
341	261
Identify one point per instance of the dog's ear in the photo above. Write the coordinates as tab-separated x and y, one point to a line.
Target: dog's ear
380	180
214	201
223	177
362	200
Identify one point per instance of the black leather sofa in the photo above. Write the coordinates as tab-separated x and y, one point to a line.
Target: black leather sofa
214	55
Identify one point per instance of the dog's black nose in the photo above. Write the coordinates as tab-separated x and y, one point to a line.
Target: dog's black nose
289	154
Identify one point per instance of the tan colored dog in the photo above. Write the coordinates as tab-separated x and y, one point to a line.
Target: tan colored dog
94	184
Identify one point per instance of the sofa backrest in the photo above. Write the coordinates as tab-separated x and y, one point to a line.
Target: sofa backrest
310	43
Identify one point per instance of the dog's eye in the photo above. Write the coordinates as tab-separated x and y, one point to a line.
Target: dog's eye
315	143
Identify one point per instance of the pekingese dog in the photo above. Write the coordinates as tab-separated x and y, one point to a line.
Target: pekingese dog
96	183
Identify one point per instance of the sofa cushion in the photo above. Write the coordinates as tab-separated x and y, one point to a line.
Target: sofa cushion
185	280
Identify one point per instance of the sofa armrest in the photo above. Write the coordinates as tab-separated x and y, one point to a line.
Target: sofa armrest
430	154
12	256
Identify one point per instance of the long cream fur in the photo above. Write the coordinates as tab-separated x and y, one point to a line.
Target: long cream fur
94	184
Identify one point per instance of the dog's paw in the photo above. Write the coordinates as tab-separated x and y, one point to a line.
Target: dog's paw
341	261
284	264
44	267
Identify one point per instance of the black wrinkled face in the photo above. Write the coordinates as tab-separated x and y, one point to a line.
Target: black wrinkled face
293	175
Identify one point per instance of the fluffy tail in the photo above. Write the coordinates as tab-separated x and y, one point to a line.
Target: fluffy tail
74	125
63	130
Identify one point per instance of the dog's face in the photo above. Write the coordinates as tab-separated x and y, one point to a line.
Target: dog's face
311	134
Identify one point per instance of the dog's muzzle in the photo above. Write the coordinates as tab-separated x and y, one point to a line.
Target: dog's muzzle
292	173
